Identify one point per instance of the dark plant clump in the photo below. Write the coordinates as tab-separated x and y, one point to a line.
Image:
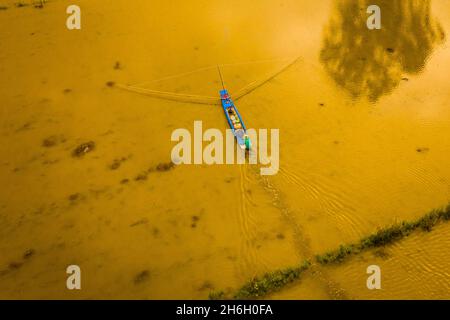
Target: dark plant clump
165	166
28	254
117	163
74	197
53	140
428	221
385	236
271	282
141	176
83	148
337	255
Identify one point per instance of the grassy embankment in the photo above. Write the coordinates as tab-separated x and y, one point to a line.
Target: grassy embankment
274	281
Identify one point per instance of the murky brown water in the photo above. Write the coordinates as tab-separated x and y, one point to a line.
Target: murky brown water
364	122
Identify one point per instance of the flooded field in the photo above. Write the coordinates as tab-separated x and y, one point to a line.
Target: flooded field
85	167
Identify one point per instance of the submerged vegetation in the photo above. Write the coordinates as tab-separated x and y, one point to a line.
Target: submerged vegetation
274	281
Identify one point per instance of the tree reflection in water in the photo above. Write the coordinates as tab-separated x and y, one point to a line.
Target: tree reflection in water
371	63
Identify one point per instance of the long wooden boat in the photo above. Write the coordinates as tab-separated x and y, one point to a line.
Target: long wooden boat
233	117
235	120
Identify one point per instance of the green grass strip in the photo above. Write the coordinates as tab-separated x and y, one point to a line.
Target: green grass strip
385	236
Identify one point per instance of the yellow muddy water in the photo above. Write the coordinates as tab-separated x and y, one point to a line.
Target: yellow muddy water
364	122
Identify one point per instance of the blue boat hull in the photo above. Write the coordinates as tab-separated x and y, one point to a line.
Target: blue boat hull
234	119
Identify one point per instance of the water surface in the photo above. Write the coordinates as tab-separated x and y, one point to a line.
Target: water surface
364	125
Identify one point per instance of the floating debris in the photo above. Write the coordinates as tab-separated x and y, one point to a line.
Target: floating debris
110	84
83	148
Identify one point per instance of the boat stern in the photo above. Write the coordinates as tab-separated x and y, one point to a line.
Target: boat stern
242	139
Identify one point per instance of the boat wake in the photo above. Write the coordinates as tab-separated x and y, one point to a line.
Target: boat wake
250	259
301	241
332	201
